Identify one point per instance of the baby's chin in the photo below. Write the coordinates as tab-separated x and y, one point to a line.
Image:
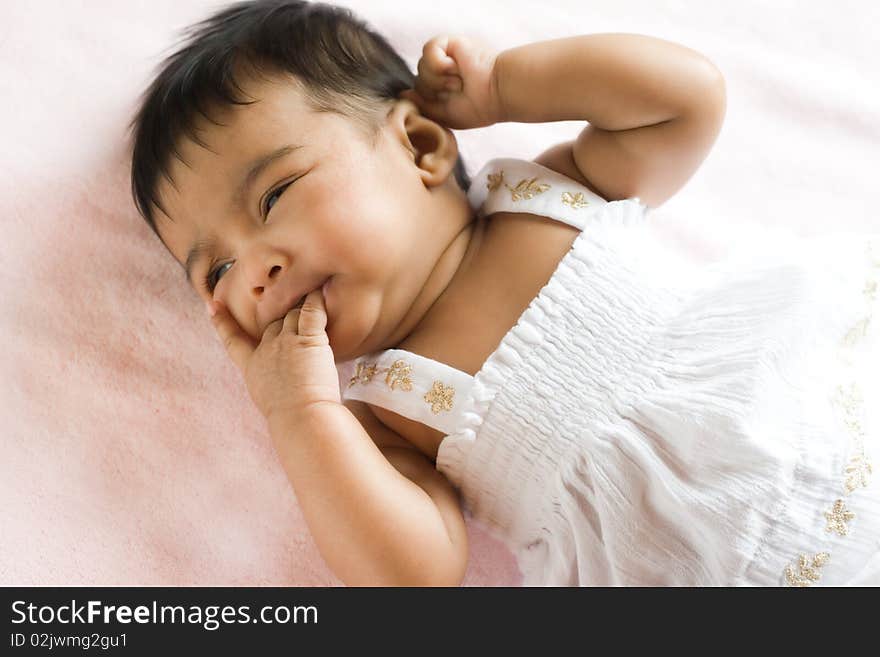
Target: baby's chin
360	334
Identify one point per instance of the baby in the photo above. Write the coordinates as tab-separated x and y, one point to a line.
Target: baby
411	336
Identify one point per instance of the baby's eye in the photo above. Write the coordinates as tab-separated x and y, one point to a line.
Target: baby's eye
274	194
213	277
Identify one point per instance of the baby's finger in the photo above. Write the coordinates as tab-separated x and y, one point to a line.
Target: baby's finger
291	321
239	345
434	67
420	101
435	57
313	314
434	109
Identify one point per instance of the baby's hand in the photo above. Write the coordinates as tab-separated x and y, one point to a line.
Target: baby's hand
457	83
292	368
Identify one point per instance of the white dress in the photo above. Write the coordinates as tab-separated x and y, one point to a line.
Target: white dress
651	422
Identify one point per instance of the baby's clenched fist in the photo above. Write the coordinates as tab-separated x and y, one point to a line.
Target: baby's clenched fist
457	83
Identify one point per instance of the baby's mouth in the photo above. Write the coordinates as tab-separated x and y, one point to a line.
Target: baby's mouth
301	302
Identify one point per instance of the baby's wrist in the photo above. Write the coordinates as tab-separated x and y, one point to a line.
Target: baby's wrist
287	419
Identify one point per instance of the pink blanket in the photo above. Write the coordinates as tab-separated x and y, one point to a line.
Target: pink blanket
131	454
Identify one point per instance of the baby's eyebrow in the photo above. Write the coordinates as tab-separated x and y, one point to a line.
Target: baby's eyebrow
257	167
197	251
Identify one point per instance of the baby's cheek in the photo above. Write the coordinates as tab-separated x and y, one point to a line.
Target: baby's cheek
247	325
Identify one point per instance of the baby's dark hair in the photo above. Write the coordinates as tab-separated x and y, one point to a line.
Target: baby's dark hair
343	65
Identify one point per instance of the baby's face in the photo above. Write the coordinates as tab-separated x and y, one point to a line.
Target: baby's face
331	205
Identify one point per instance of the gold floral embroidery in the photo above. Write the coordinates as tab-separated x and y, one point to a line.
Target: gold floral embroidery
807	569
860	329
364	373
857	332
838	517
398	374
858	473
525	189
850	398
440	397
576	201
854	425
858	470
495	180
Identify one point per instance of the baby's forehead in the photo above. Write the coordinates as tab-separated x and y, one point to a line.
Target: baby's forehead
257	100
207	166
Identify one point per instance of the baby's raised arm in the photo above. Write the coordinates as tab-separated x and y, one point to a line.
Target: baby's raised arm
654	107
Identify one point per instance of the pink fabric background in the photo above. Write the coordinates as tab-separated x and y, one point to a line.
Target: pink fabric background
131	453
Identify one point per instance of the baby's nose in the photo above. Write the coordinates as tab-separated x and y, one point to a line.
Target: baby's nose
262	280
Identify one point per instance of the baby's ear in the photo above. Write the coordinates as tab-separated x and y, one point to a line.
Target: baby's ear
432	146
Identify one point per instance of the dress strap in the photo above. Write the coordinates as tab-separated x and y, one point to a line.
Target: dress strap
418	388
513	185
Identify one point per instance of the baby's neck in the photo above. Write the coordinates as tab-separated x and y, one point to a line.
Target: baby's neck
451	266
